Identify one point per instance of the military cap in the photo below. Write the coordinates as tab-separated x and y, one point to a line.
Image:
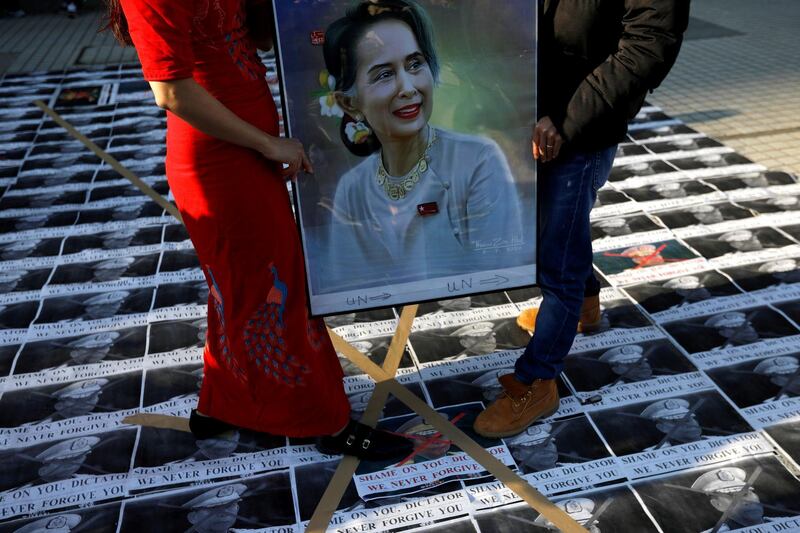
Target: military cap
579	509
779	265
736	236
670	409
68	449
62	523
723	480
778	366
116	263
683	283
478	329
532	436
731	319
96	340
218	496
623	354
108	298
82	389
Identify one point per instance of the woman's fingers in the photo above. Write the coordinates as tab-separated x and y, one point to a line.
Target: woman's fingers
537	142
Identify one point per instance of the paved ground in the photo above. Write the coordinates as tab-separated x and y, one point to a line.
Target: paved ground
742	89
738	78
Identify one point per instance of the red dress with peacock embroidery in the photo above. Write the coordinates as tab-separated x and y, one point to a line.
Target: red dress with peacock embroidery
268	366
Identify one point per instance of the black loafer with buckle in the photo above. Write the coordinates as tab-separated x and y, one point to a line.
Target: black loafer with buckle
366	443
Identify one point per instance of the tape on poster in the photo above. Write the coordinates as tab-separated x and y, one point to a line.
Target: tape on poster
108	158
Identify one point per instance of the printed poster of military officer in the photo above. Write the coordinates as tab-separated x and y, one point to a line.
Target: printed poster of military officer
658	424
20	280
52	403
620	226
114	239
618	313
777	203
638	170
95	306
376	348
703	214
663	295
482	386
93	348
787	436
253	503
463	303
668	190
167	447
372	315
164	384
181	294
106	269
7	356
711	161
33	247
18	316
421	147
748	180
768	380
177	334
739	241
683	145
312	479
729	329
773	273
393	407
89	455
606	197
612	510
641	256
726	497
603	370
174	261
547	445
459	342
127	212
93	520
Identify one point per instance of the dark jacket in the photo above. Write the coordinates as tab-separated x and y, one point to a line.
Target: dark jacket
599	58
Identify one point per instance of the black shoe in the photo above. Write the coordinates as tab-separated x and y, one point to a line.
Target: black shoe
205	427
366	443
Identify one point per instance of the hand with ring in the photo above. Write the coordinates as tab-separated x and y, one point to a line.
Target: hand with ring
547	141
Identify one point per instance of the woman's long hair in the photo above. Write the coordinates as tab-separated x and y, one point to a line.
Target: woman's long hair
116	22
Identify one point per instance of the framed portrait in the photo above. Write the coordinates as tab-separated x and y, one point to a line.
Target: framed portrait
417	117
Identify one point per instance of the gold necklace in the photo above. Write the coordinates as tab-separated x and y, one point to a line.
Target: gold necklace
397	190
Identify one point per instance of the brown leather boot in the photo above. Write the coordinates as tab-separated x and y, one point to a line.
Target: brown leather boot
591	316
518	407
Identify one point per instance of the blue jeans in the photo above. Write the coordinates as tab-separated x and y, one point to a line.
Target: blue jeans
567	189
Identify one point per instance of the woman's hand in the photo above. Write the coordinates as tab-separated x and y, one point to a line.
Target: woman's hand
288	152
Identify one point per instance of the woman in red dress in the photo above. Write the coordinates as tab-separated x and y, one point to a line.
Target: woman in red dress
268	366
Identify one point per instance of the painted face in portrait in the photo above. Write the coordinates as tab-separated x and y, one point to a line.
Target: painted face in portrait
393	91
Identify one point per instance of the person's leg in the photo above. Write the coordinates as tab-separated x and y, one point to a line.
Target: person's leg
567	192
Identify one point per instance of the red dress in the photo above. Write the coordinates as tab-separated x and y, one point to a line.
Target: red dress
268	366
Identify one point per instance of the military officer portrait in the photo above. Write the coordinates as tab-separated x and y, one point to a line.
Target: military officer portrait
775	203
114	239
548	445
747	180
30	247
637	170
167	447
19	315
659	424
255	503
711	161
89	349
95	306
376	348
52	403
603	370
52	461
97	518
620	226
460	342
177	334
172	383
178	260
611	510
727	497
773	273
393	407
21	280
372	315
787	435
181	294
669	190
730	328
674	293
106	269
465	303
768	380
703	214
739	241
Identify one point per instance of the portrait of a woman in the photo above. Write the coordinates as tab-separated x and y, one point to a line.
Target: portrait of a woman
424	202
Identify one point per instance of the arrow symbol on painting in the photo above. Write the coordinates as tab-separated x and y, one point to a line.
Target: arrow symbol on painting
384	296
494	280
